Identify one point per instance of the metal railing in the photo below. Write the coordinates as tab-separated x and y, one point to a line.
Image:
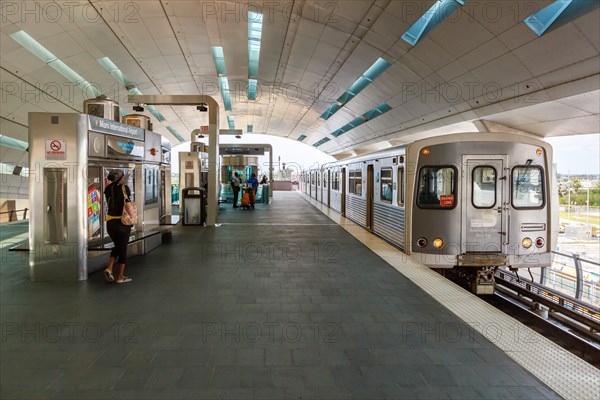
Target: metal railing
575	276
13	215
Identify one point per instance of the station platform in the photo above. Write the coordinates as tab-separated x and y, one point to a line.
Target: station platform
280	302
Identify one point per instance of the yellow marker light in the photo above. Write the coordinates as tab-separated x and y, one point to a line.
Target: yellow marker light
526	242
539	152
425	151
438	243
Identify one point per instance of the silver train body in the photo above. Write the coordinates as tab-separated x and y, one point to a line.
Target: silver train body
477	200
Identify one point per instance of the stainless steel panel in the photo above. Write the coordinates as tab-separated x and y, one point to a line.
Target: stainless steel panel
356	209
336	201
153	145
388	222
65	259
55	196
96	145
189	180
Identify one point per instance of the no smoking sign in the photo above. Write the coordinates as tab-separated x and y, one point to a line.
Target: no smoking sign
56	149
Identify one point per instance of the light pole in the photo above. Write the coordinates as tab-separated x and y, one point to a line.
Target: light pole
569	205
587	212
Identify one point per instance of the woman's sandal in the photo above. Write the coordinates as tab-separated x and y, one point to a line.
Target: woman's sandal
109	276
124	279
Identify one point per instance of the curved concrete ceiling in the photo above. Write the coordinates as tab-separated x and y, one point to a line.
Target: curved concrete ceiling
480	63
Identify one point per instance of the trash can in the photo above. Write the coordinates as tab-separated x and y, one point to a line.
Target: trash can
193	206
265	194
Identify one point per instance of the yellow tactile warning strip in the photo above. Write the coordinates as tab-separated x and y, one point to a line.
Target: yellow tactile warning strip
565	373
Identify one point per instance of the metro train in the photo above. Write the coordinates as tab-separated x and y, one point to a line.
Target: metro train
464	203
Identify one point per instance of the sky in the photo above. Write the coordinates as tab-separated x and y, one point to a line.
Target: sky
576	154
572	154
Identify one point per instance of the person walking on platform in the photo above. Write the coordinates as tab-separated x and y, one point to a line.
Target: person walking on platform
115	198
253	182
235	185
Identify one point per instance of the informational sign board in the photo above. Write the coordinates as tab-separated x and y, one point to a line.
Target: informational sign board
447	200
56	149
115	128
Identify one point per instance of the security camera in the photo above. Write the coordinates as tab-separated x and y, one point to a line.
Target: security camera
138	108
202	107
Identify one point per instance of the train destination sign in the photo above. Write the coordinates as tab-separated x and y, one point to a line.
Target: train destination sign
115	128
447	200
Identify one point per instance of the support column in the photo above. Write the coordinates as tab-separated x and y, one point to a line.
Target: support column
214	184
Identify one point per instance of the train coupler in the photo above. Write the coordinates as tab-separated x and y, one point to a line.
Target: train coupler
484	282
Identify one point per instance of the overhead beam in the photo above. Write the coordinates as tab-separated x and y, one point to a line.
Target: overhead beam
212	205
484	125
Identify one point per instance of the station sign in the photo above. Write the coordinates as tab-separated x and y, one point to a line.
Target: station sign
115	128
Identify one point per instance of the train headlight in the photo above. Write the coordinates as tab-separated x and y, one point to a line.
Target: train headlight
438	243
526	242
539	242
539	152
421	242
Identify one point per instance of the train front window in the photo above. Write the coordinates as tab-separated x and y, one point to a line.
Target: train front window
386	185
527	187
437	186
484	187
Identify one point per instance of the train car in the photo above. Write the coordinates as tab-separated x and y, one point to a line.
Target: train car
466	203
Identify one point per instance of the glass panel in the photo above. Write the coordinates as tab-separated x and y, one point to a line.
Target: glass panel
386	188
333	178
401	186
358	183
352	182
484	187
150	184
436	184
527	187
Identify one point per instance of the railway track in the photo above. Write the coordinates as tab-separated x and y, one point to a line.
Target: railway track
570	323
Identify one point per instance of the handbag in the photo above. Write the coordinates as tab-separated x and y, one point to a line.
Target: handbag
130	214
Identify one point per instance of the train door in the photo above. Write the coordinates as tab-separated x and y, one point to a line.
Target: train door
370	196
328	189
483	208
316	194
343	200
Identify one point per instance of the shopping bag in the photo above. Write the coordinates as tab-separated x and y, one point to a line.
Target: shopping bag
130	215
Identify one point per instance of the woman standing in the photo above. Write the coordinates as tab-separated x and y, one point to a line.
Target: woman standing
119	233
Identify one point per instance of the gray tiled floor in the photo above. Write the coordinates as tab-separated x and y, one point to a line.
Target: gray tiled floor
276	303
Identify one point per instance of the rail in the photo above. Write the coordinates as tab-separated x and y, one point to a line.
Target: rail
13	215
580	279
565	304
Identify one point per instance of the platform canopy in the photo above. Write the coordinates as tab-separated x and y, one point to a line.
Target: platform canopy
344	76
